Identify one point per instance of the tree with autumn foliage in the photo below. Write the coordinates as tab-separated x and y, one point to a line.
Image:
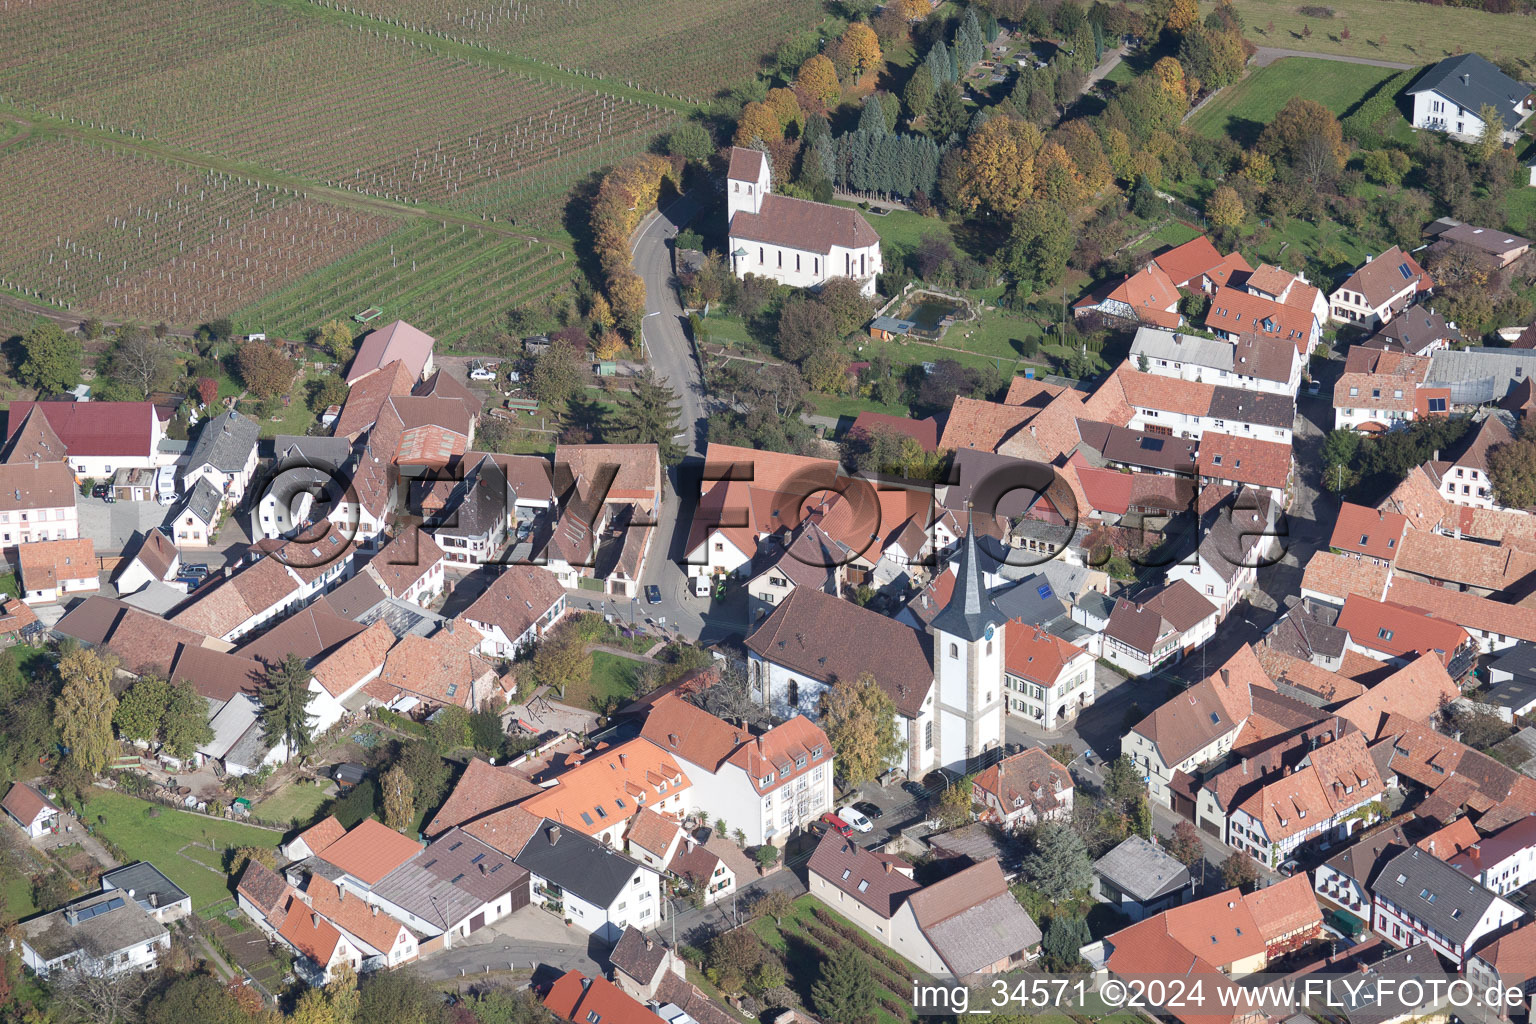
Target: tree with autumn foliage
785	106
816	83
860	719
859	50
626	194
758	123
207	391
911	10
997	174
1169	74
264	370
1225	208
1173	15
1306	135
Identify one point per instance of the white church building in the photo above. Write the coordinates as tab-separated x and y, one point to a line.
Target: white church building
794	241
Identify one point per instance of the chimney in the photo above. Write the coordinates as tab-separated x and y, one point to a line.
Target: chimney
154	899
1245	766
1465	78
1431	847
341	894
314	920
450	627
375	910
623	760
554	834
650	944
889	867
1226	677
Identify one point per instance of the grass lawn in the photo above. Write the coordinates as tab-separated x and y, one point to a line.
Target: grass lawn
159	840
851	406
1242	110
17	897
902	227
1408	33
295	419
612	676
1520	210
803	954
289	803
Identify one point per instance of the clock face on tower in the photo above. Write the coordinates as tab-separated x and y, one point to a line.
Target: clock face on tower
989	631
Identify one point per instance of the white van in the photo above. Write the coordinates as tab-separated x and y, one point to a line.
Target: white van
165	485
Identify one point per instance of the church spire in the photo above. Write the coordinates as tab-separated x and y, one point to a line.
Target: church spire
970	610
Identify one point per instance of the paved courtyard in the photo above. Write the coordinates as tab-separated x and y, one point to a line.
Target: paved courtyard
112	524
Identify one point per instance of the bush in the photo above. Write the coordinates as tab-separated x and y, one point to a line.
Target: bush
1315	12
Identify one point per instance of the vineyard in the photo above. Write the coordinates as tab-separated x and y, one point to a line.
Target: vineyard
132	237
446	279
686	48
344	104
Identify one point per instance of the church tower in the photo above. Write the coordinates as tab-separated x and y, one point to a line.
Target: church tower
747	182
968	665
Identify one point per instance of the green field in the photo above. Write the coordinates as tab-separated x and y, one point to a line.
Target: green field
612	676
167	841
292	802
1405	32
1242	110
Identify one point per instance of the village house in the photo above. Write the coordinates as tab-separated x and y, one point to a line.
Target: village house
603	789
1024	789
155	560
1420	898
768	785
793	241
712	868
158	896
53	570
591	885
1140	879
1157	627
444	668
522	604
104	934
1380	390
1503	861
964	926
1417	331
198	518
1450	97
1385	286
1049	680
99	437
224	454
37	502
865	887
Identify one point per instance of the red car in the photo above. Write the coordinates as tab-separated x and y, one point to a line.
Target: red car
837	825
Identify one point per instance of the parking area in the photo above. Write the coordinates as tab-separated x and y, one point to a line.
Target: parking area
112	524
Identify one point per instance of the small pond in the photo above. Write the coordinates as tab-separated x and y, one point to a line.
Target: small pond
933	313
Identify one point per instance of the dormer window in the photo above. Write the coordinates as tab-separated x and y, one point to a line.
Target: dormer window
766	780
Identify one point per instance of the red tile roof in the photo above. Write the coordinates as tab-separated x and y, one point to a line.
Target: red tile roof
24	802
482	788
1184	263
383	346
1033	654
1416	691
93	428
575	997
924	431
1151	294
1338	576
1238	312
45	564
1399	631
1465	609
309	933
1246	460
1367	531
370	851
322	834
804	225
692	733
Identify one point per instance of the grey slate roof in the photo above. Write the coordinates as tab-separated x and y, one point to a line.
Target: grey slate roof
970	610
1414	330
1183	348
224	442
1479	375
577	863
204	500
301	449
637	955
143	879
1512	693
1262	407
1454	903
982	935
1471	81
1032	600
1519	659
1142	870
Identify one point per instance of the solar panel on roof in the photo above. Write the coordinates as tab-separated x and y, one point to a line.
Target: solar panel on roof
86	913
1044	590
1402	268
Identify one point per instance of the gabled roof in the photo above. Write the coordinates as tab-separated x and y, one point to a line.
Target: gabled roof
1465	609
32	438
1031	777
1417	691
1151	294
309	933
576	997
1414	330
1263	357
34	485
1184	263
482	789
383	346
1398	631
1246	460
1338	576
826	638
1470	80
45	564
691	733
924	431
224	443
156	552
1214	707
972	920
746	164
609	786
25	802
587	868
264	888
370	851
93	428
1381	278
1375	533
1430	890
804	225
322	834
869	879
517	599
1238	312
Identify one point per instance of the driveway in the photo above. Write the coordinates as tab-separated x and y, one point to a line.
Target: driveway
112	525
522	940
1266	55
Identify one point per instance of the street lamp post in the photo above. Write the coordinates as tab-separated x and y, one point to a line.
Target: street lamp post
643	356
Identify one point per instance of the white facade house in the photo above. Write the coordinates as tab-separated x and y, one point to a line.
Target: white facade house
1380	289
30	810
1451	95
1504	861
100	437
794	241
105	934
1420	898
224	454
520	605
37	502
595	888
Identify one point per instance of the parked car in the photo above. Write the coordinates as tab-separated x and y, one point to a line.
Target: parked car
194	569
653	594
481	373
837	825
869	810
101	491
913	789
856	819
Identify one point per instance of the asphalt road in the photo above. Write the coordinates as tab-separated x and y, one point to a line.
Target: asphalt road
666	342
